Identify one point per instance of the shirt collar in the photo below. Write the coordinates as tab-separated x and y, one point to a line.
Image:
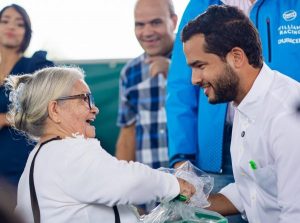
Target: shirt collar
168	55
251	105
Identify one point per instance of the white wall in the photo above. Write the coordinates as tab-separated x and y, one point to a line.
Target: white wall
84	30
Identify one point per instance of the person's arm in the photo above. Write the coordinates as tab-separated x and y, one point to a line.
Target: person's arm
3	120
125	149
221	204
218	202
125	146
106	175
285	141
182	98
178	164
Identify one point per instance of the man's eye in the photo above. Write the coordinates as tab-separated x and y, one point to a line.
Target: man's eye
156	23
200	66
138	25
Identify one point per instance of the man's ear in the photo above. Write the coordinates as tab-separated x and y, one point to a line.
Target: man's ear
236	57
53	110
174	19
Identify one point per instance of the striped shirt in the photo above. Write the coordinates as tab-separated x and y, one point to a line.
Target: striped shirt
142	102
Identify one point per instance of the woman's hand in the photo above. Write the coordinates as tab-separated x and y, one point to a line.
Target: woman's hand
3	120
186	188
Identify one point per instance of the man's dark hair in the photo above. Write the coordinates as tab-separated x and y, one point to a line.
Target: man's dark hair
27	25
226	27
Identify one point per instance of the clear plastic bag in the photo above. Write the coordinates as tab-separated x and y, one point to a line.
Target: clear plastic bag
179	212
184	212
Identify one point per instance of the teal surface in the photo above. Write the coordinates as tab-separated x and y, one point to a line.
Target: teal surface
203	218
103	80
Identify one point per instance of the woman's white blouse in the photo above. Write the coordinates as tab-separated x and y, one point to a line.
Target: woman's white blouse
78	181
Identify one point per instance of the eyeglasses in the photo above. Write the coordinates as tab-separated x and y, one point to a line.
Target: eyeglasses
87	97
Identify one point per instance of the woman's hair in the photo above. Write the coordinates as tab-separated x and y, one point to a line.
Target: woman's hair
27	25
31	94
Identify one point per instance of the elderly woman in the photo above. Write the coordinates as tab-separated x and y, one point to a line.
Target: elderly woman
68	176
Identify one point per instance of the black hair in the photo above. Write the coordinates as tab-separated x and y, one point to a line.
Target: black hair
27	24
225	27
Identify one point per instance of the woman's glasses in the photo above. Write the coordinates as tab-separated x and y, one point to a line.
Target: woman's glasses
87	97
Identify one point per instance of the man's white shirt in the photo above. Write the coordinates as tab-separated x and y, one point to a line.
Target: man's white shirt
266	131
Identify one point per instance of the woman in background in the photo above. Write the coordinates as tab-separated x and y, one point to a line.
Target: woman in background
15	35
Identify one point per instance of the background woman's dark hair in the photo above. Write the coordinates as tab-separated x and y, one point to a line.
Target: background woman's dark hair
27	25
226	27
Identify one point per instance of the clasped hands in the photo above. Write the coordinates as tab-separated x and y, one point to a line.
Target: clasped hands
186	189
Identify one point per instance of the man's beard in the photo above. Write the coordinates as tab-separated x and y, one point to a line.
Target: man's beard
226	87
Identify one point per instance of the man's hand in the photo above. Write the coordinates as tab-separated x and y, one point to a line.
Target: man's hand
176	165
158	65
221	204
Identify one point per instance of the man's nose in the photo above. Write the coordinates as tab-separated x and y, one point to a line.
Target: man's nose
196	77
148	30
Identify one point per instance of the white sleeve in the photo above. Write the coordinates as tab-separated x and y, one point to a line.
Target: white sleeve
285	144
96	176
231	192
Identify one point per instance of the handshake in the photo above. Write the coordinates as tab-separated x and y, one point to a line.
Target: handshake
188	206
195	185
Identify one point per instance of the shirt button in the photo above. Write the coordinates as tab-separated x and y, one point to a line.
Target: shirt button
161	131
242	148
243	133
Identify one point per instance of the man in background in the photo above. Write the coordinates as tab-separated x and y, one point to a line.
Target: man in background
141	117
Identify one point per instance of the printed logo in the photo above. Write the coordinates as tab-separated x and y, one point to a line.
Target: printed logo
289	15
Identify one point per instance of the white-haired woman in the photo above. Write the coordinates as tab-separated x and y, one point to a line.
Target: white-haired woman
68	176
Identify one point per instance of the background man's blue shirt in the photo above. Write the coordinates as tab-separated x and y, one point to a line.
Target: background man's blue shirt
196	127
